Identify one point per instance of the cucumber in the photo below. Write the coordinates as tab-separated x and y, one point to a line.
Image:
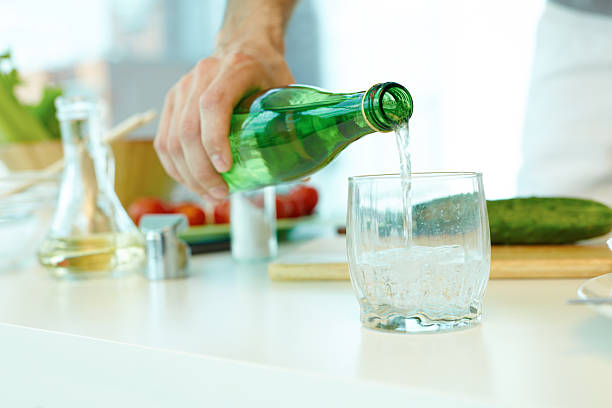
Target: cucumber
518	221
547	220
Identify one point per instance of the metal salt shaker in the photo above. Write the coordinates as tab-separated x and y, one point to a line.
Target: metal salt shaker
167	255
253	225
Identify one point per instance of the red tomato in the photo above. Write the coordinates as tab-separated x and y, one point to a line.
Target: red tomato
285	208
195	215
170	207
222	212
144	206
299	206
307	196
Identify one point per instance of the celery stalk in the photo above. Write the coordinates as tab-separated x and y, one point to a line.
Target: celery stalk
17	123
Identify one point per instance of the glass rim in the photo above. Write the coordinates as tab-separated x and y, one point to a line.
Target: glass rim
437	175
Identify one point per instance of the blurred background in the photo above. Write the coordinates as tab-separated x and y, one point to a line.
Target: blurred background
467	65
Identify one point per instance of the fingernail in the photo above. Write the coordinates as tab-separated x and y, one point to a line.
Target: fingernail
219	163
218	192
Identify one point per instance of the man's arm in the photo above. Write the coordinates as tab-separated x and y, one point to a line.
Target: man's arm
267	18
192	138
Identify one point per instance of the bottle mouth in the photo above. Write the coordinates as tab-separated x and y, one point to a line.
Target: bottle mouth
387	104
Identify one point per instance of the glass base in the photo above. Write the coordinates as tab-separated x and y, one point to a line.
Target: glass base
399	323
92	256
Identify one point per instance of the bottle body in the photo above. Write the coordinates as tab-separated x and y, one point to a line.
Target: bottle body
289	133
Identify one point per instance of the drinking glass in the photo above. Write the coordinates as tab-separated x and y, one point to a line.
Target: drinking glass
433	279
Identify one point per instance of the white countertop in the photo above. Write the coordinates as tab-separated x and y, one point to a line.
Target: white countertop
227	327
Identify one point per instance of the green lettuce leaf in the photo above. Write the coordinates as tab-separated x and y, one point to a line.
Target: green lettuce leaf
20	122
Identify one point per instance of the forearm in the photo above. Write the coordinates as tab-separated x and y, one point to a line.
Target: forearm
255	20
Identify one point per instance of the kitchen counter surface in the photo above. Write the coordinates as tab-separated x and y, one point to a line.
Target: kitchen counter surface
229	333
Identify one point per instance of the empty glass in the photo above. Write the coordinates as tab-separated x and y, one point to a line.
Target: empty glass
433	280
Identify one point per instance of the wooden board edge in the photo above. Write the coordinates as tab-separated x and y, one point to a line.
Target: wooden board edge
308	272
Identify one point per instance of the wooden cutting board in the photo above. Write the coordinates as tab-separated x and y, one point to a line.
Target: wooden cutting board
325	259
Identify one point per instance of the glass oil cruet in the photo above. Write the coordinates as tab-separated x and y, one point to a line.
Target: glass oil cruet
91	235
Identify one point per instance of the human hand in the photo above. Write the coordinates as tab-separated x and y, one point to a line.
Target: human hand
192	138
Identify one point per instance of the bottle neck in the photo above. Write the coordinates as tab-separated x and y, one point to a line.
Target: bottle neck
79	122
75	135
88	163
386	105
80	126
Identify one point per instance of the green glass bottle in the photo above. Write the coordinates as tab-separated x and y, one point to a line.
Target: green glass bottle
286	134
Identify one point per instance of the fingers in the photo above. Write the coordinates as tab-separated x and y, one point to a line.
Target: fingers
178	128
164	145
196	160
237	77
203	172
161	138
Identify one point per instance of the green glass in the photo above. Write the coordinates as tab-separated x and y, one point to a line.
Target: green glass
286	134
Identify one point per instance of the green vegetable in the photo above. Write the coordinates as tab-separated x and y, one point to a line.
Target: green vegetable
454	214
20	122
45	111
547	220
518	221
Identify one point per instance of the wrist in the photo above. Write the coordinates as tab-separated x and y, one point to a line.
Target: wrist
255	23
254	39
